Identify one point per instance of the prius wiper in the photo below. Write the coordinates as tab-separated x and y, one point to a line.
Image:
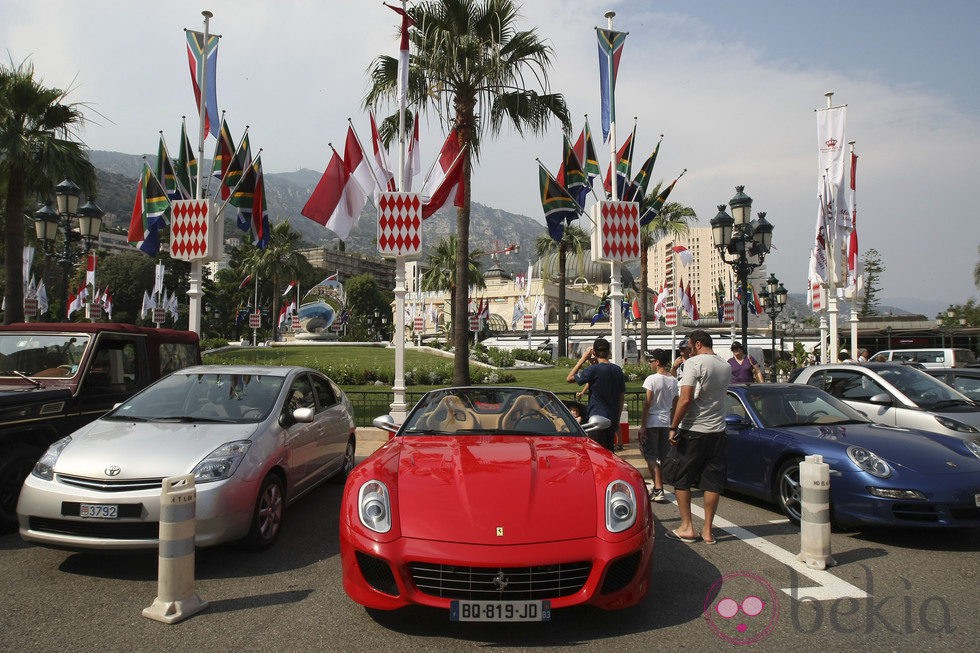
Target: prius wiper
952	402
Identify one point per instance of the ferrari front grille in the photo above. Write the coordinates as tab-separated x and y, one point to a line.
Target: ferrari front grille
500	583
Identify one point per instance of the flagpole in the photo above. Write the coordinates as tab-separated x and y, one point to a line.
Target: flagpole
615	267
399	407
194	292
255	305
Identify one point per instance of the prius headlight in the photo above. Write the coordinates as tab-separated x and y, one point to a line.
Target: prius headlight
222	462
44	468
620	506
374	507
956	425
869	462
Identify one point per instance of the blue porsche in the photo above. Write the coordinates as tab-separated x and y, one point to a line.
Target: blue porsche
879	475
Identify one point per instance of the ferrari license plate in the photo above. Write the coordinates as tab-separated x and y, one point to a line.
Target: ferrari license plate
98	511
500	611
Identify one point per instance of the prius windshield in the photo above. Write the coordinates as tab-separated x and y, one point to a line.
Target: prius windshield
232	398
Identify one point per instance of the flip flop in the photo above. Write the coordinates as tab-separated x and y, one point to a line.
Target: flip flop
672	535
707	541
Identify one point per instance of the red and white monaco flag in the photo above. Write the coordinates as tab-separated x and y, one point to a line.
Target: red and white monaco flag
413	158
684	253
381	170
90	270
445	178
358	165
852	241
336	203
402	53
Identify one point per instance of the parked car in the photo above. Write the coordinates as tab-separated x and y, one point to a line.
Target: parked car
494	504
255	438
898	395
879	475
963	379
55	378
937	357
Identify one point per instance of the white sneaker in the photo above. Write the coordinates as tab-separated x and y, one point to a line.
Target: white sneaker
658	495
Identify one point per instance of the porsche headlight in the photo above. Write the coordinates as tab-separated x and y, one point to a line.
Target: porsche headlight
44	468
869	462
374	507
956	425
620	506
222	462
974	447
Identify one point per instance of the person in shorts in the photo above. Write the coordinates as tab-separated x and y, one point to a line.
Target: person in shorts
607	388
658	406
697	434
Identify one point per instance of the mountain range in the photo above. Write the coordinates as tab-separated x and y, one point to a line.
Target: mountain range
288	192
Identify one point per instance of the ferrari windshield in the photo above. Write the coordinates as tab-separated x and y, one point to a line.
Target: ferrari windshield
493	411
49	355
233	398
798	404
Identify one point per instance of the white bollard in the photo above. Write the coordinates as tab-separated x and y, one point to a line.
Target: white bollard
815	512
176	598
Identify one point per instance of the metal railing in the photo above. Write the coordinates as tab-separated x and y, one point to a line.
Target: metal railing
369	404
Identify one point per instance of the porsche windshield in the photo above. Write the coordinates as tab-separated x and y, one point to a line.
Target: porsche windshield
48	355
233	398
491	411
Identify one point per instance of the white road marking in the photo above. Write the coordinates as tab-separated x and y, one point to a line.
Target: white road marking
828	588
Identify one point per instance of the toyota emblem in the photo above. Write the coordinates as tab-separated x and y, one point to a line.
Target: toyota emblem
112	470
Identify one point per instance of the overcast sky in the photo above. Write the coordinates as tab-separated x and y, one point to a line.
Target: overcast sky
732	86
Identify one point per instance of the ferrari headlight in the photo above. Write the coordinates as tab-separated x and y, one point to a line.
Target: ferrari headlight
222	462
44	468
374	507
956	425
869	462
620	506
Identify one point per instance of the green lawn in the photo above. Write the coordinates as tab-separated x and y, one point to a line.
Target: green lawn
379	358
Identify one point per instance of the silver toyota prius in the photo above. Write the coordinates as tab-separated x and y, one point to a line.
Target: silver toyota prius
255	439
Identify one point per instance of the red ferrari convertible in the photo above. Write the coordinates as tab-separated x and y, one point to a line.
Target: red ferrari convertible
493	503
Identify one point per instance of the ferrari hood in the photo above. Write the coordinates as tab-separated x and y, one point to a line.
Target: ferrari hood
496	490
144	449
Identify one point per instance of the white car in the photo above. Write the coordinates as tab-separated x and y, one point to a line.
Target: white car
898	395
255	439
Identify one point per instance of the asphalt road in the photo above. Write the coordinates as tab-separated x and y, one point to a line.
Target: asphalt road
922	584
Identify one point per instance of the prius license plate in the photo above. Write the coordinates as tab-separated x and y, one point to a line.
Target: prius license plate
500	611
98	511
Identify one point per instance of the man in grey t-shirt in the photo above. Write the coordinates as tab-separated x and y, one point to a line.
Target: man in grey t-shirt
697	433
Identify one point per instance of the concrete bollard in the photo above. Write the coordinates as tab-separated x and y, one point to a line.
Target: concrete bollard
176	598
624	427
815	512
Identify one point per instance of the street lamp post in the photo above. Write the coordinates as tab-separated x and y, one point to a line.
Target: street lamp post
47	221
743	244
774	298
888	333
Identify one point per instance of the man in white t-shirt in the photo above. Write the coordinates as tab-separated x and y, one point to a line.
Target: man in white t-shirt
661	398
699	455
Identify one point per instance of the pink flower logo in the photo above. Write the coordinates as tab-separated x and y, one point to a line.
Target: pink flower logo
741	608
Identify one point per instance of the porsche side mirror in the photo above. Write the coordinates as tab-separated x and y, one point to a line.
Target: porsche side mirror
736	421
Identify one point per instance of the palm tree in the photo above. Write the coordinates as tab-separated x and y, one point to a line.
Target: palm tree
441	274
32	161
577	240
671	221
473	67
278	263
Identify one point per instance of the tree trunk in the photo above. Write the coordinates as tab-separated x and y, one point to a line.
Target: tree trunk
461	340
13	293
